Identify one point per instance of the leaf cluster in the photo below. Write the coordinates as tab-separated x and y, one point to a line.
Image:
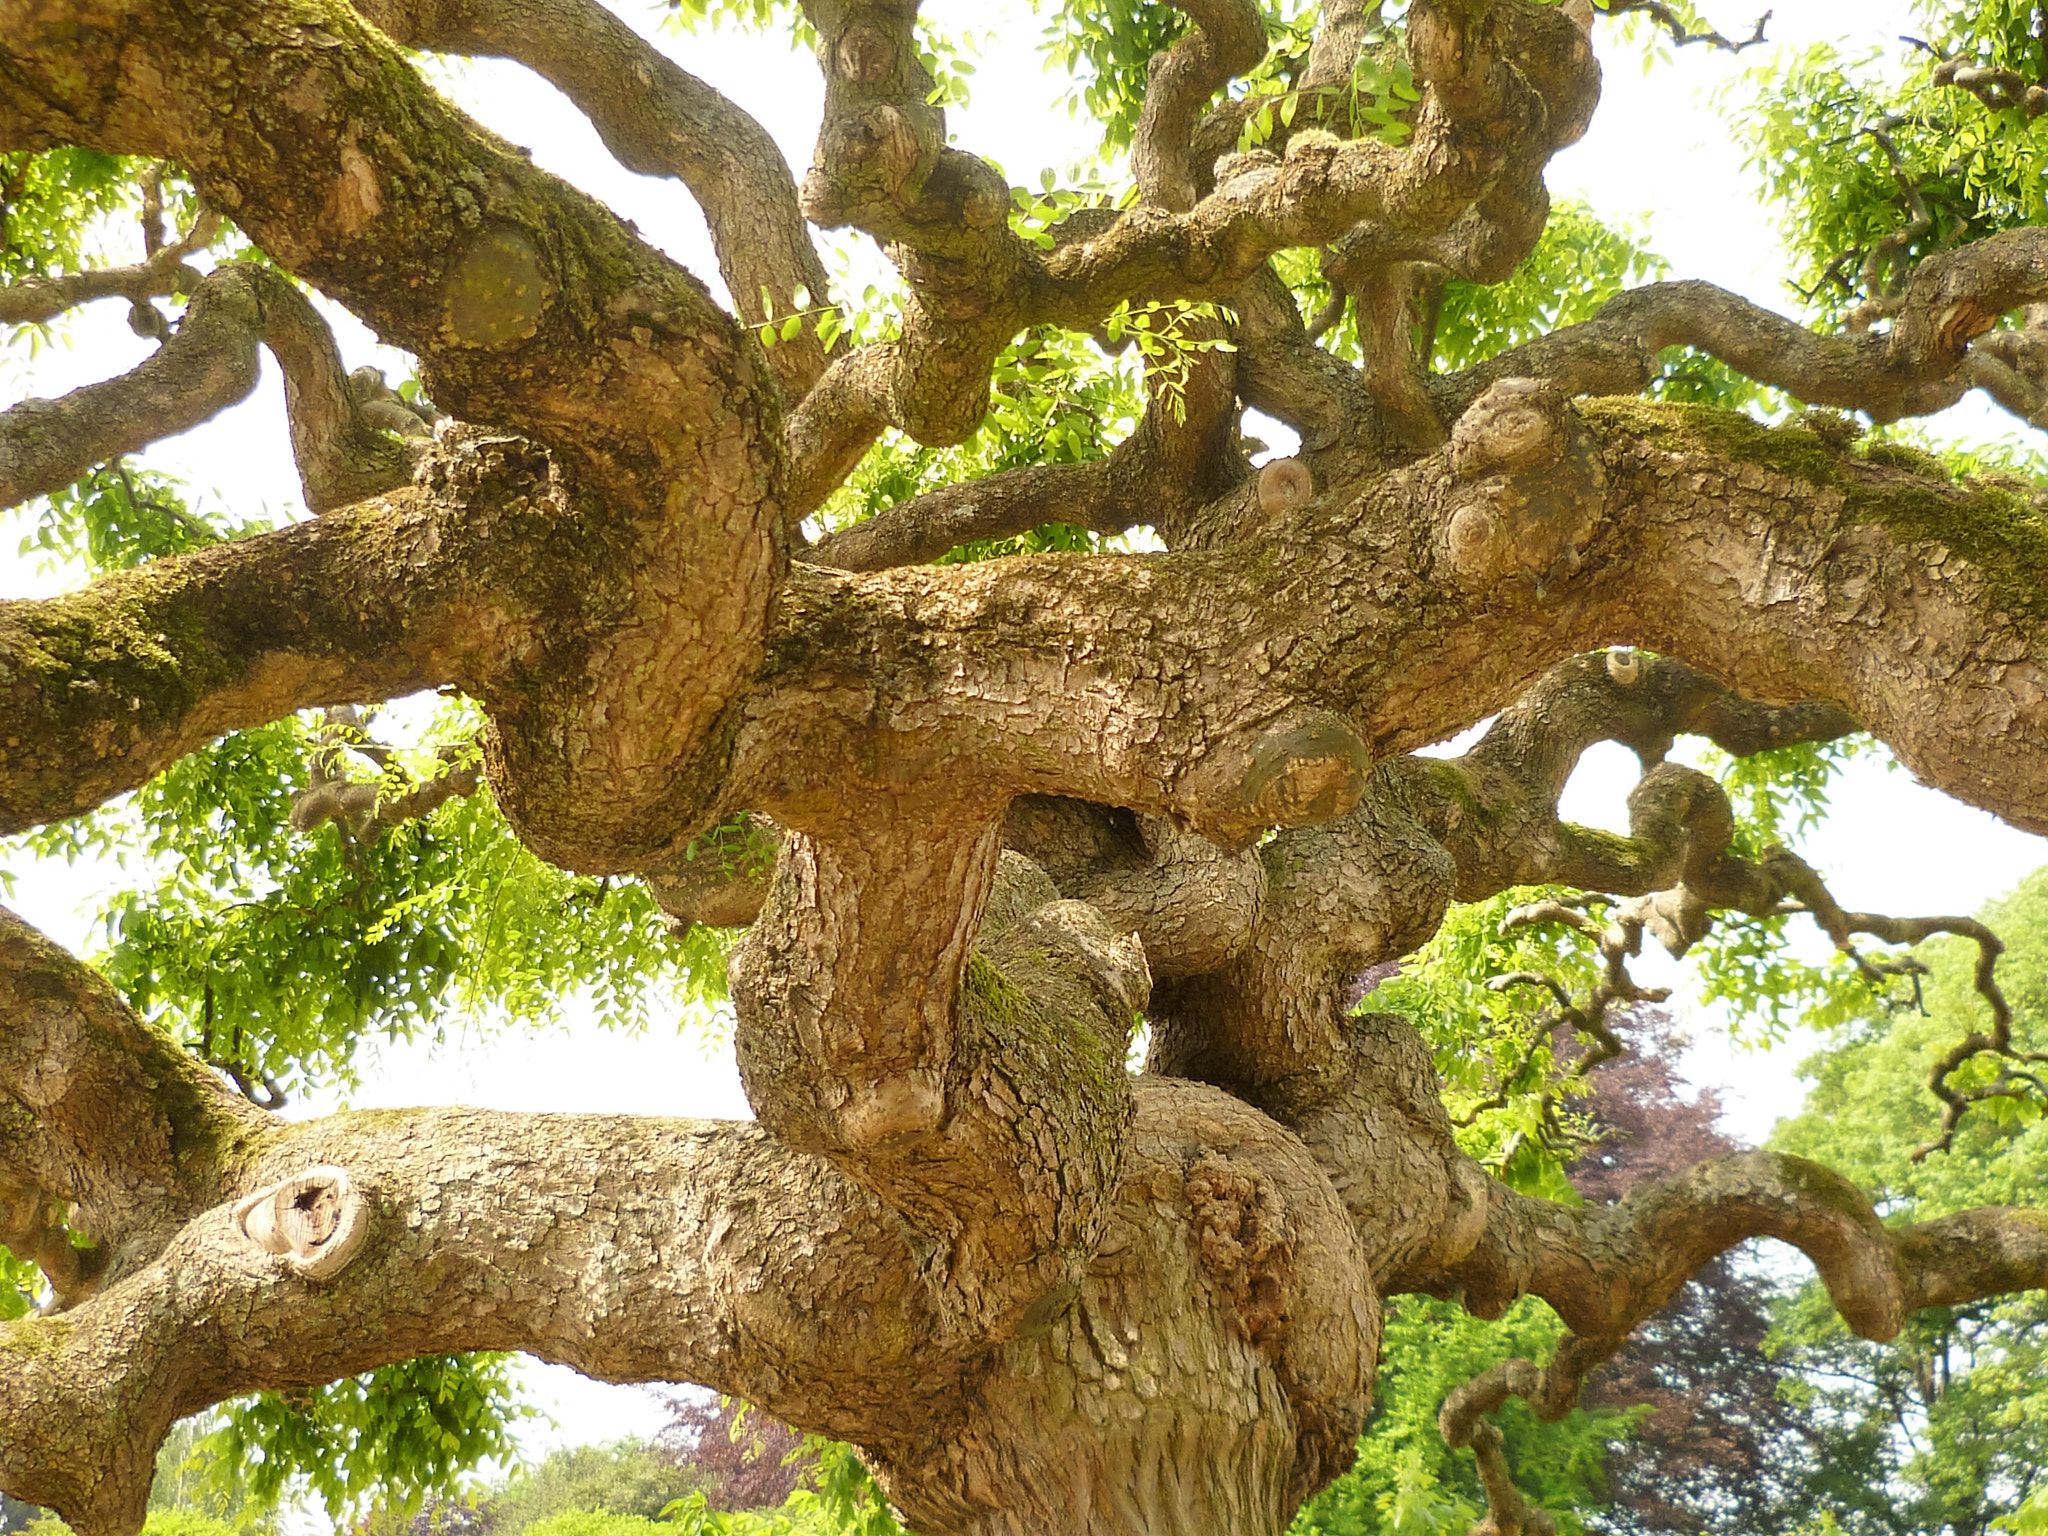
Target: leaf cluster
276	950
51	202
1886	167
119	516
1407	1482
1500	1064
394	1436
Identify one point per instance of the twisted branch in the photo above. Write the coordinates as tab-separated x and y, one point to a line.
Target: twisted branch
1607	1269
657	120
208	364
1921	365
1228	39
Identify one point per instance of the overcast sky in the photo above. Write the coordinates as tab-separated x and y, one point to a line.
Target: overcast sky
1657	157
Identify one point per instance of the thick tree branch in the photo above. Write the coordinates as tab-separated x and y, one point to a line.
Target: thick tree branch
102	1115
2011	366
883	165
207	365
657	120
1606	1269
634	1250
343	166
1228	39
444	581
1519	769
1440	588
639	1250
2002	90
984	1099
1001	505
544	313
1281	371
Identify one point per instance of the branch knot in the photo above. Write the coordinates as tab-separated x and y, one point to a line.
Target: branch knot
316	1221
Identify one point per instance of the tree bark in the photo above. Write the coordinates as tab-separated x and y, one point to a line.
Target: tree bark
1001	813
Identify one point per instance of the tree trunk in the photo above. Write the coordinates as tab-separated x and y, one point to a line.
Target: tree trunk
1212	1370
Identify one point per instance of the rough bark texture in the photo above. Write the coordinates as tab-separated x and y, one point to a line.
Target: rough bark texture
1000	812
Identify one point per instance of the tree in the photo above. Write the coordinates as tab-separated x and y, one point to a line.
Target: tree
1950	1419
980	817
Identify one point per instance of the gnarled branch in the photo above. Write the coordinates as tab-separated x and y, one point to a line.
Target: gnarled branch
207	365
658	120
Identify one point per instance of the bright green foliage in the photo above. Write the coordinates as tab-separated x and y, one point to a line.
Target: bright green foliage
1778	796
394	1435
631	1489
627	1480
1498	1065
1408	1483
2030	1519
1106	45
1057	400
19	1283
187	1484
1870	1107
118	517
1169	338
1948	1426
949	60
604	1523
802	1515
1946	170
183	1522
843	1497
1377	98
278	950
161	1522
50	200
746	15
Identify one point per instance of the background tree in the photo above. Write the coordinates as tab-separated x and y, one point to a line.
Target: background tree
1945	1428
704	643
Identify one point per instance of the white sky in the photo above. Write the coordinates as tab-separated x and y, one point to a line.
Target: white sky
1657	156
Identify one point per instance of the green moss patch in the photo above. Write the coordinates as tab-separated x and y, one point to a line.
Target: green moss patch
1999	531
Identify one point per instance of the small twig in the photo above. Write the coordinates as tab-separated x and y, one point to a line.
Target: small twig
1617	940
1682	35
1799	878
152	211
